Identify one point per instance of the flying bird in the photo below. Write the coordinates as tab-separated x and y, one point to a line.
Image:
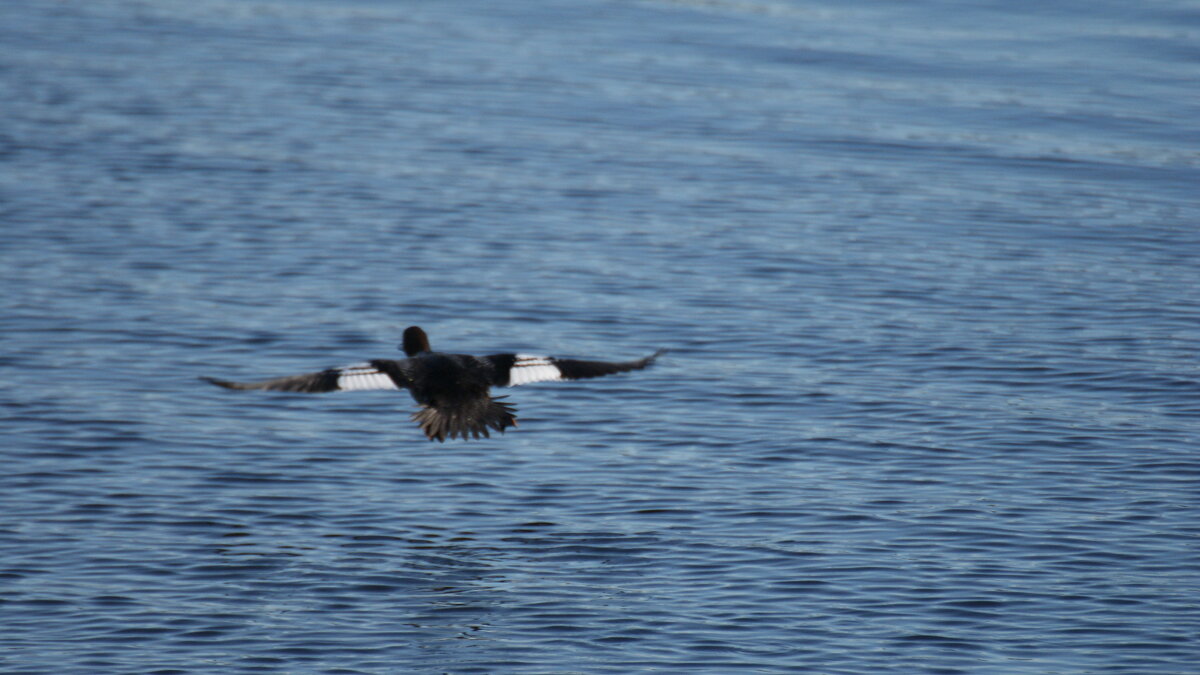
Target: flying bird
452	389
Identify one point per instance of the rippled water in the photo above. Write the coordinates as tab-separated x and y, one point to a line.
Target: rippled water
928	272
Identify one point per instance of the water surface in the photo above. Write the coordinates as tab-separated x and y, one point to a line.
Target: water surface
928	273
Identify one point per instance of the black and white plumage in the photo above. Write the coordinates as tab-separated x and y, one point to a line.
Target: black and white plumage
453	389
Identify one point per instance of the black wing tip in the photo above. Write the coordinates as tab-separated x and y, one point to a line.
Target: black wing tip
647	361
220	383
572	369
310	383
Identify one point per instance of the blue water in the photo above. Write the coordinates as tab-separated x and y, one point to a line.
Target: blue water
929	272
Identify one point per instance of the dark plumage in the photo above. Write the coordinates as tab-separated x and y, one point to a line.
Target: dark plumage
453	389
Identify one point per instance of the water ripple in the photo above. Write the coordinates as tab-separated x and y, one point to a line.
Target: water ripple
929	288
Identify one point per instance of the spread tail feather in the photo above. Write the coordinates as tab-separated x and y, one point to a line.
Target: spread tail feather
465	421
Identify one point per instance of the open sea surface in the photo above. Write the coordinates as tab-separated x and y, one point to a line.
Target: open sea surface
929	272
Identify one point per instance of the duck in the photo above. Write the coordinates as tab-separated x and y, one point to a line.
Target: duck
453	390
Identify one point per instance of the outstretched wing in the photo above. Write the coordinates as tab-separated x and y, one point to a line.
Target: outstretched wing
377	374
515	369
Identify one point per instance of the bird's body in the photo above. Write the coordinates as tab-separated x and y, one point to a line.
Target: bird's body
452	389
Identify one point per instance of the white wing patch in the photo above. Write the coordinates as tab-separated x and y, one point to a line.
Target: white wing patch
529	368
363	376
